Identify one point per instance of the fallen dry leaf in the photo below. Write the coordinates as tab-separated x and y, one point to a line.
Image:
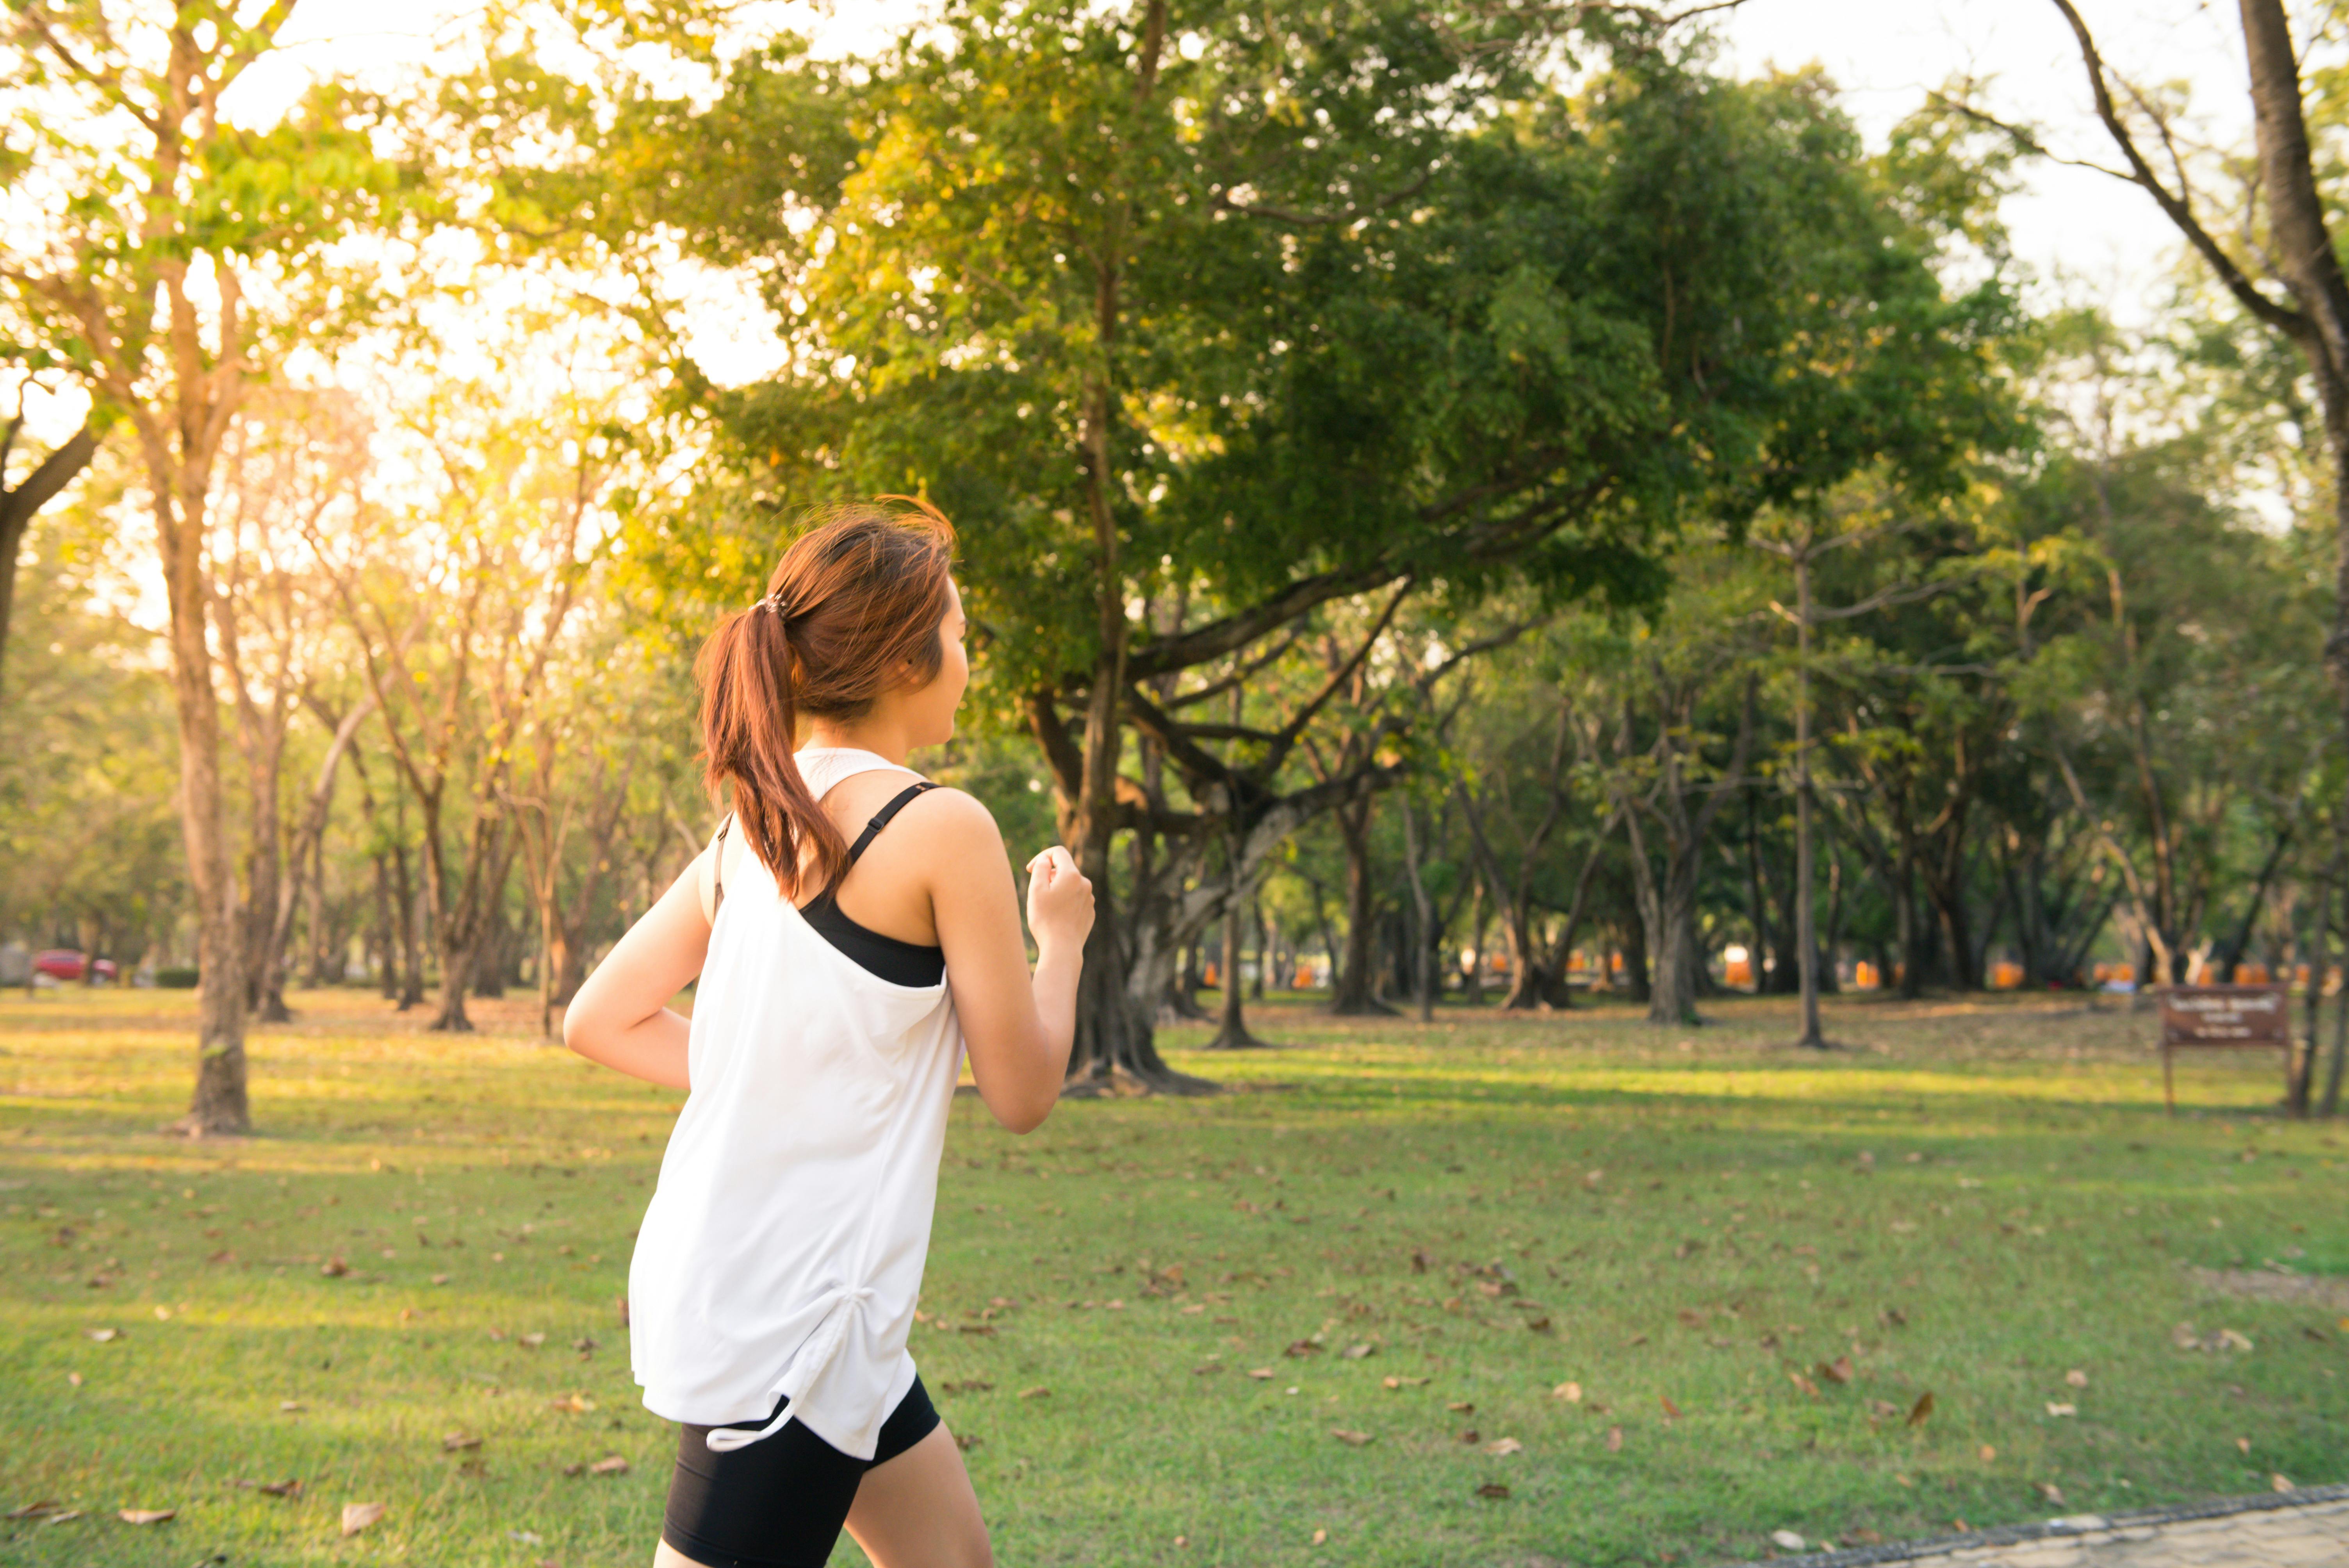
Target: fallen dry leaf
1882	1409
1672	1412
1260	1373
1987	1453
611	1464
1614	1440
1570	1392
1471	1436
1356	1352
2053	1408
1787	1541
1803	1384
1493	1489
2076	1378
455	1441
357	1516
1500	1446
1461	1408
334	1268
1921	1409
1349	1437
40	1510
1319	1536
533	1340
291	1487
576	1404
2280	1483
1835	1371
1301	1347
2051	1491
104	1335
1038	1392
1392	1381
147	1515
2244	1444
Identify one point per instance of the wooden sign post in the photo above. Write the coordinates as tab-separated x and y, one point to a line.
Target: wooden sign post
2222	1017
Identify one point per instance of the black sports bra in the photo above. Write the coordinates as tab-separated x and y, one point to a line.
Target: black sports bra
899	962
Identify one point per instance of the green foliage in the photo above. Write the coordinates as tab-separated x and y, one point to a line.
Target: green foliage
1367	302
90	839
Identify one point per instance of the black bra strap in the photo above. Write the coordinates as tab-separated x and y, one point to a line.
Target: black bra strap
897	803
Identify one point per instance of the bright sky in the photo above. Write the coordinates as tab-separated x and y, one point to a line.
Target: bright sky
1887	54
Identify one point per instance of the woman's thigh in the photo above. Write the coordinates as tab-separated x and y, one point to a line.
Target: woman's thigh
918	1510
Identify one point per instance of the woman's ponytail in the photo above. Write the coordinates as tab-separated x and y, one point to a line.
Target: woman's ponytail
854	606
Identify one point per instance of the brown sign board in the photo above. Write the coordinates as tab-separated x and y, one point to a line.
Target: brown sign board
2255	1016
2226	1016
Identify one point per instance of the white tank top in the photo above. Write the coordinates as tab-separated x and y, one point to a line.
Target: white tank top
783	1251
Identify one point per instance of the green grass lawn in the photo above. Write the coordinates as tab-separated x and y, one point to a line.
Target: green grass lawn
1153	1319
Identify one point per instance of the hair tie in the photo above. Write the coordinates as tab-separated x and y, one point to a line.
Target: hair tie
774	605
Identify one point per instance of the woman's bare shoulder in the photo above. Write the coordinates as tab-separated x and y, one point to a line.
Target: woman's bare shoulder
948	814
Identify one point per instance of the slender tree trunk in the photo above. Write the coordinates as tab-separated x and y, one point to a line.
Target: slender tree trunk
387	943
1904	908
411	936
1422	988
1351	984
1231	1029
1263	956
1806	945
219	1104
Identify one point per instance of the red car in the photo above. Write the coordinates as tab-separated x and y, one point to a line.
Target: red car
65	963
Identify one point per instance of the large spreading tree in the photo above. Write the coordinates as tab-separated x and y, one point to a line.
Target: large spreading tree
1201	318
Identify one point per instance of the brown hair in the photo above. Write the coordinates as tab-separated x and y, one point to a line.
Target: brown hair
851	612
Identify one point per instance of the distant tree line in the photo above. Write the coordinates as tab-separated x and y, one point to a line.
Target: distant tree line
1433	482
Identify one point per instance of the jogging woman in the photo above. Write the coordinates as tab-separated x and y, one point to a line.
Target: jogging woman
855	929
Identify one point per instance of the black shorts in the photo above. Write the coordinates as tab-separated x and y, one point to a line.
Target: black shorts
780	1502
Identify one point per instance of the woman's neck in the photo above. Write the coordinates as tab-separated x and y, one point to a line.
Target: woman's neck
874	734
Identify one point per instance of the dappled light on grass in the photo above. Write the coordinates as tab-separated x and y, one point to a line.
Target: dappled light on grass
1682	1300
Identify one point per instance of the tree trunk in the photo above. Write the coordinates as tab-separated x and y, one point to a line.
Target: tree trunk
1667	906
1351	984
1422	949
1262	955
411	936
1807	944
1904	909
1231	1029
219	1104
18	506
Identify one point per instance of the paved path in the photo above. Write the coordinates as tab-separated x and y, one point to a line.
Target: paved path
2304	1529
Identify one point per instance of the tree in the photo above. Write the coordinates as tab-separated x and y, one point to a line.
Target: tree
1169	311
175	255
21	502
460	605
2284	241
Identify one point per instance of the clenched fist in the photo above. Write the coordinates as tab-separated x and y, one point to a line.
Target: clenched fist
1059	900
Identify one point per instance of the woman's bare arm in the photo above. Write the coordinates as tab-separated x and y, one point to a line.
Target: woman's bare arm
1016	1026
621	1016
